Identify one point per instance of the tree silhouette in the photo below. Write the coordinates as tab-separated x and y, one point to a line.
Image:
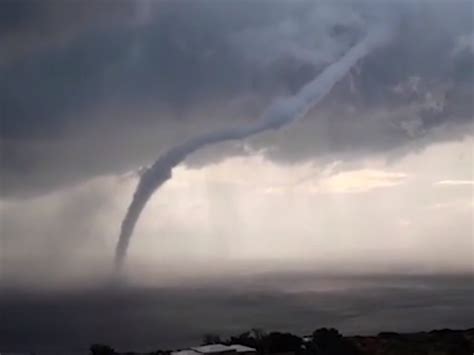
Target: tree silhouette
331	342
100	349
277	342
210	338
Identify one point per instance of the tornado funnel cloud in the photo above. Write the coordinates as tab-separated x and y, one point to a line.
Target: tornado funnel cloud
278	114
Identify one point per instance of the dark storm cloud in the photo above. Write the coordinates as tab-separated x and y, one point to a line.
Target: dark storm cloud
103	89
181	57
28	26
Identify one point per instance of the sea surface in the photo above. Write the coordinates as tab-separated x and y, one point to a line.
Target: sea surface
143	318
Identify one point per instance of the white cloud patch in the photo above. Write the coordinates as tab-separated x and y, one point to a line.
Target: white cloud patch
264	176
454	183
359	181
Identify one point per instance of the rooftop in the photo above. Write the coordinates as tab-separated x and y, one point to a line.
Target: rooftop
185	352
241	348
216	348
213	348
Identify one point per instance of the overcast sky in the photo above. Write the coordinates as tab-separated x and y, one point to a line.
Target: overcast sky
379	176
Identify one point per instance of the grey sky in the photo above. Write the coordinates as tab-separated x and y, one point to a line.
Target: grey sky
383	166
114	75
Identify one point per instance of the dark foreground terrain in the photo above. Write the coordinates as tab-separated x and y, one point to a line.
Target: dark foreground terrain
437	342
330	342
